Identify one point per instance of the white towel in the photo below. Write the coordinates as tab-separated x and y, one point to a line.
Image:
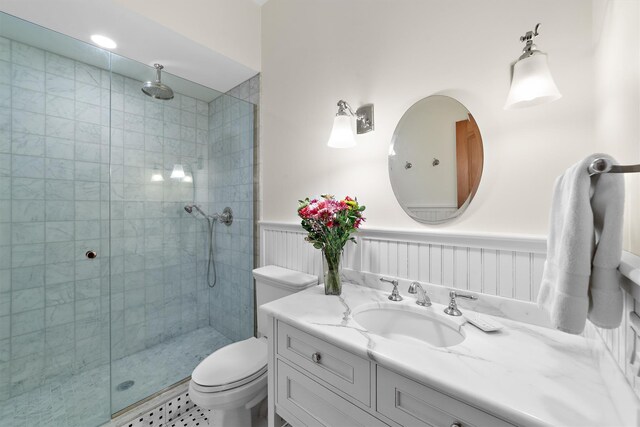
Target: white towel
584	247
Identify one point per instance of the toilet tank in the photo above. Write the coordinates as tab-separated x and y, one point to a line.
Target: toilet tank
273	283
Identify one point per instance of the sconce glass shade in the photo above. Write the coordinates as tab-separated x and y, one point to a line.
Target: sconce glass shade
532	83
177	172
156	176
187	178
342	133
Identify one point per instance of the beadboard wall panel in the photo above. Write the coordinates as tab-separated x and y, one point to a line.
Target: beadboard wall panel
505	266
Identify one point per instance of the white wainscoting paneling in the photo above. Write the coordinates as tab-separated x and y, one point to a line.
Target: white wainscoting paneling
427	213
507	266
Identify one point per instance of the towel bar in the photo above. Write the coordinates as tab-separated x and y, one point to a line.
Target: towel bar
599	166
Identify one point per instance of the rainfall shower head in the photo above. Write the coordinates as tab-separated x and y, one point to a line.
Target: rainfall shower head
156	89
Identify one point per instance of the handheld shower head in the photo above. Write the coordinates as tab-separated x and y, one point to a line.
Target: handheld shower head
190	208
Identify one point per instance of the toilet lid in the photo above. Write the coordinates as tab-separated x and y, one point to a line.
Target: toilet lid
232	364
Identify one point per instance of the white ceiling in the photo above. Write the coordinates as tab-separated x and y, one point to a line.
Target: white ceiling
138	38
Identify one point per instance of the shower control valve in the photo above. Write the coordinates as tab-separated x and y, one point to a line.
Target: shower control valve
226	217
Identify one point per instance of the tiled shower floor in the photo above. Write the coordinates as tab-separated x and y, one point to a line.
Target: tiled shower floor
82	400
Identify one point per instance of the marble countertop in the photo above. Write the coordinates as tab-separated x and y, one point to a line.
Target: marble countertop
525	374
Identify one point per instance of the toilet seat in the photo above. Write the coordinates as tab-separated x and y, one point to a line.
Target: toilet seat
231	366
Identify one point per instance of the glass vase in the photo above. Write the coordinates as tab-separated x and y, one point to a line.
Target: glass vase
331	264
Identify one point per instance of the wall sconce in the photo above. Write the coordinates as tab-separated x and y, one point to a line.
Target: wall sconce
177	172
531	80
342	132
156	175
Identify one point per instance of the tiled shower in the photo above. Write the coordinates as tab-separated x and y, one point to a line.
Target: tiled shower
80	338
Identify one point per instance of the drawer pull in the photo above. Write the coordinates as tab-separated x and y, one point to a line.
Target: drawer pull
456	424
316	357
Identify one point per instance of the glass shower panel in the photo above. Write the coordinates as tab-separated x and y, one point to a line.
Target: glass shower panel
54	198
160	324
231	127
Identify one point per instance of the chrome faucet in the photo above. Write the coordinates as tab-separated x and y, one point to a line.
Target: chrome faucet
395	295
423	298
452	310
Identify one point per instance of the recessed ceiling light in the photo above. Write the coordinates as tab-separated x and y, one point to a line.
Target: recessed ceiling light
103	41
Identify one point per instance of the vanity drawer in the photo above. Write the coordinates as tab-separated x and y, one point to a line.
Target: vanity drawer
341	369
314	405
412	404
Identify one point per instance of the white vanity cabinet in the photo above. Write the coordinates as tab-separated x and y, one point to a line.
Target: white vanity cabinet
315	383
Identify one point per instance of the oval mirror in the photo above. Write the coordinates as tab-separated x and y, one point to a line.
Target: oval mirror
435	159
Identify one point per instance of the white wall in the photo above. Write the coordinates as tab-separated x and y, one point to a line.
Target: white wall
617	96
230	27
393	53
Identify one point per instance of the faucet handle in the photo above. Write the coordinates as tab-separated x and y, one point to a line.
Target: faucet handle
452	309
453	294
395	295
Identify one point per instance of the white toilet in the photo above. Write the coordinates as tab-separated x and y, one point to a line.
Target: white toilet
233	379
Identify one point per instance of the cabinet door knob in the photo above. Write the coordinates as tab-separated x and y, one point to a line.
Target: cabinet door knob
316	357
456	424
91	254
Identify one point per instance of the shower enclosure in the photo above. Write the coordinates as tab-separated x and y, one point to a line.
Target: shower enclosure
104	295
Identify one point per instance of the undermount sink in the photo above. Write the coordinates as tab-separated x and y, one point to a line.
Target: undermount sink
409	324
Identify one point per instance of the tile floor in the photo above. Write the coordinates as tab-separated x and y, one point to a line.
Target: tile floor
83	400
179	411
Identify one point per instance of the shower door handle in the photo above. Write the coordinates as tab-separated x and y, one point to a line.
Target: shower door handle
91	254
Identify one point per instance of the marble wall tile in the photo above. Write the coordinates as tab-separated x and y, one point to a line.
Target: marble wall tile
26	55
5	49
58	86
27	78
5	257
27	122
28	211
60	231
86	112
59	314
87	74
27	255
26	233
61	293
88	132
27	100
59	148
26	372
27	299
59	210
59	65
27	321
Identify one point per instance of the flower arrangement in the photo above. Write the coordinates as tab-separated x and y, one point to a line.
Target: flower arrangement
330	224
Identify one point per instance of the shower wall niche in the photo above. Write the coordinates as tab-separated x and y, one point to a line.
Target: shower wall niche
85	165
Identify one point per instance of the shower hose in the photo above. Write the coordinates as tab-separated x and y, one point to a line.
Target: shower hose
211	263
